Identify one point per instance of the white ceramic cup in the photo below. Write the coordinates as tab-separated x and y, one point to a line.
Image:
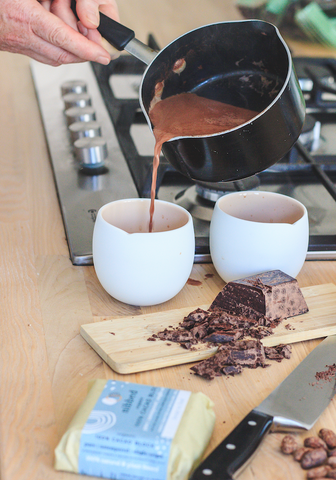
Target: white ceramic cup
254	232
138	267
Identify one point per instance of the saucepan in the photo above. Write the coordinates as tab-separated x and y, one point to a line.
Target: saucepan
242	63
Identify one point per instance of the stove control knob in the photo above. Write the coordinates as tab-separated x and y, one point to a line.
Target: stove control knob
76	100
73	86
84	129
80	114
91	152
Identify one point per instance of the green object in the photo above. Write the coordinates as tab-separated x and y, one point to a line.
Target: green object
277	7
317	25
250	4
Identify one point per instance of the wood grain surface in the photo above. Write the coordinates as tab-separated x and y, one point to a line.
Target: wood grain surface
45	364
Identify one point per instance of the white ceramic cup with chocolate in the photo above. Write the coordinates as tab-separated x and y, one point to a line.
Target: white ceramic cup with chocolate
253	232
138	267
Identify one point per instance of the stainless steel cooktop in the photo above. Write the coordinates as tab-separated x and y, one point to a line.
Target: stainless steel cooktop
101	150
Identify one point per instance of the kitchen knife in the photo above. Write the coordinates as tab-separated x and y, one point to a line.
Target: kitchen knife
294	405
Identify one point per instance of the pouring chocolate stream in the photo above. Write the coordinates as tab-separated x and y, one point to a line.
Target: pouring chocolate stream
188	114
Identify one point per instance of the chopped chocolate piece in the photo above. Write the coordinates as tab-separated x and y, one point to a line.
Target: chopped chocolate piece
179	336
246	344
200	331
211	367
197	315
250	357
244	353
278	353
187	324
222	337
273	294
286	350
232	370
194	318
260	332
215	325
273	354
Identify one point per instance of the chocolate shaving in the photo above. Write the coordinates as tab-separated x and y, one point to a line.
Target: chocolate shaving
229	333
327	375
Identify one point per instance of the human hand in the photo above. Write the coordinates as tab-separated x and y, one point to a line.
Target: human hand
52	34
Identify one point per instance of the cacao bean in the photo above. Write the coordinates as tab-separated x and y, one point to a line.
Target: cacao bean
318	472
328	436
313	458
315	442
332	453
331	474
288	444
298	454
332	462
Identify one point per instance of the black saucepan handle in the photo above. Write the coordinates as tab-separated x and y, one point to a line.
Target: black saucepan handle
236	449
115	33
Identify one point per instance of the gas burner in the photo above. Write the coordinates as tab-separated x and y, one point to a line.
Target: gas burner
197	206
199	199
213	191
317	81
311	134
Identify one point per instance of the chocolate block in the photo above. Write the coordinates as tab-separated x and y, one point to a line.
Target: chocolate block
274	295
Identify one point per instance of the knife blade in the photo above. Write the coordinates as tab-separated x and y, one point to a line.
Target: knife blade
294	405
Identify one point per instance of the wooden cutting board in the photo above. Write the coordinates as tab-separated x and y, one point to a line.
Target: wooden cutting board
122	343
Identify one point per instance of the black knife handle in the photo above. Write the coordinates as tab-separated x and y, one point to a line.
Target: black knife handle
115	33
236	449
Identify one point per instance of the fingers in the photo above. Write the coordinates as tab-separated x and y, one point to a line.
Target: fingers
88	11
70	43
54	57
40	50
95	36
46	4
62	10
48	31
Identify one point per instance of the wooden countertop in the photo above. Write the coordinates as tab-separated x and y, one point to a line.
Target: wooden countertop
45	364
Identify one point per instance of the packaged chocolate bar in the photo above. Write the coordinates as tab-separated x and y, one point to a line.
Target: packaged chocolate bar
128	431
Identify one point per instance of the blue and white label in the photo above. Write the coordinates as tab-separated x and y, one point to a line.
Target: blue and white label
129	432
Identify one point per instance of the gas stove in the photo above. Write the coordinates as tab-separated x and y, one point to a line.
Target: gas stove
101	150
